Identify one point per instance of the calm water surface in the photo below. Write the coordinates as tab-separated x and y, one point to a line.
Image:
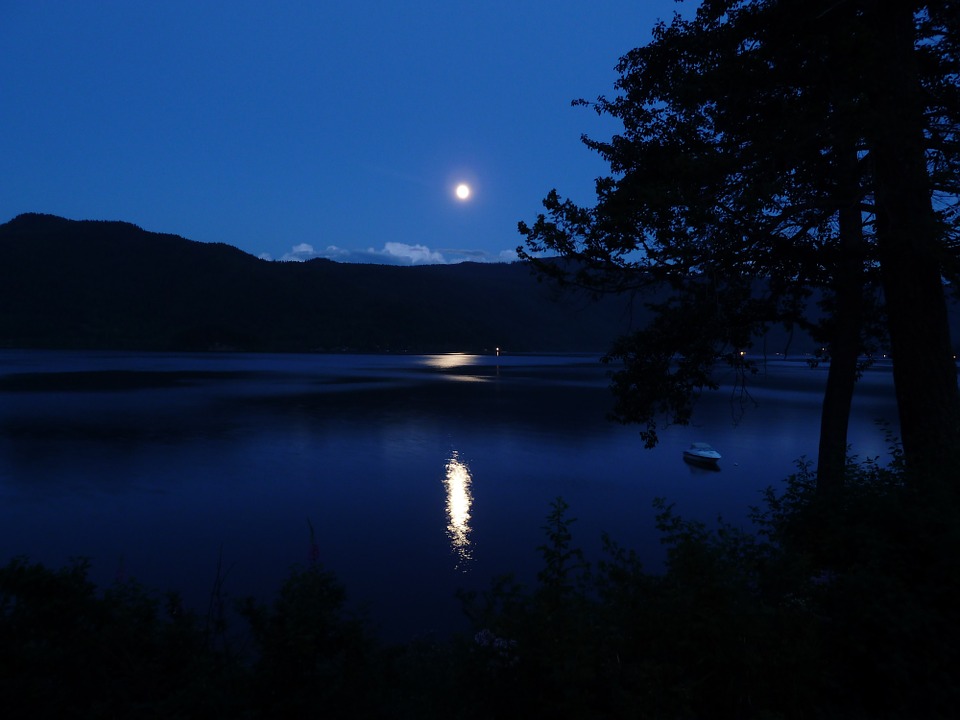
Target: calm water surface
419	474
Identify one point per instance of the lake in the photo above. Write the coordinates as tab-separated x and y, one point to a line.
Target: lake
418	475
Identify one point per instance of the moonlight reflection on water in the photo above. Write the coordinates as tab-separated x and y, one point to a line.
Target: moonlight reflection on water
459	500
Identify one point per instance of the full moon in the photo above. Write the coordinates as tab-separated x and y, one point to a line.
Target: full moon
463	191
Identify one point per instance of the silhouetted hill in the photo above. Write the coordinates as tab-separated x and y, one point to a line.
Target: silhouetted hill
112	285
94	284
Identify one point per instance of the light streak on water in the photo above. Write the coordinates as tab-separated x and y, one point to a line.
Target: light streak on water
459	501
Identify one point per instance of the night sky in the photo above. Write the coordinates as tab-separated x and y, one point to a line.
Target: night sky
310	129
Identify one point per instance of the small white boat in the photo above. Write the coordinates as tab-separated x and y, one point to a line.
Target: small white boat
701	453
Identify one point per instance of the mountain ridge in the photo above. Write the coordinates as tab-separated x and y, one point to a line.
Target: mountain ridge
112	285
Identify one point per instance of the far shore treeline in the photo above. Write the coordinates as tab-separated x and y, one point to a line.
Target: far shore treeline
111	285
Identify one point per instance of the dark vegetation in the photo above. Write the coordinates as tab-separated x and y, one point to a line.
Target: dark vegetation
111	285
846	610
813	143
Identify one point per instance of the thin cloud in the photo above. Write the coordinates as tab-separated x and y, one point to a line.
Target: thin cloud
392	253
412	254
300	253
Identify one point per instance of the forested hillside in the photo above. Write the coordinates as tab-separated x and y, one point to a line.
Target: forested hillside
112	285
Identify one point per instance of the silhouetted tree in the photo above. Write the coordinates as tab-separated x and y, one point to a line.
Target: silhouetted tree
761	142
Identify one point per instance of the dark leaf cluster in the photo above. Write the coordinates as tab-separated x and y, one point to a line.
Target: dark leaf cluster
807	151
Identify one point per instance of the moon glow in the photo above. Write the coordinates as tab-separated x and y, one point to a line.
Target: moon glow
463	191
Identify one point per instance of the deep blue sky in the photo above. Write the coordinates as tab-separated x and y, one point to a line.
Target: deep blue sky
300	129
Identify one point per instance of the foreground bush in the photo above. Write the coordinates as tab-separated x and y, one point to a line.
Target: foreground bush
829	607
68	651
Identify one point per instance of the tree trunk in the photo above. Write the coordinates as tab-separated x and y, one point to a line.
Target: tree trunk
845	344
908	240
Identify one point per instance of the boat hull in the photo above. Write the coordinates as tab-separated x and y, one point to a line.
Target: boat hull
701	459
701	454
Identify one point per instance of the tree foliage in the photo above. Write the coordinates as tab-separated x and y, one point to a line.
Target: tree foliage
762	159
